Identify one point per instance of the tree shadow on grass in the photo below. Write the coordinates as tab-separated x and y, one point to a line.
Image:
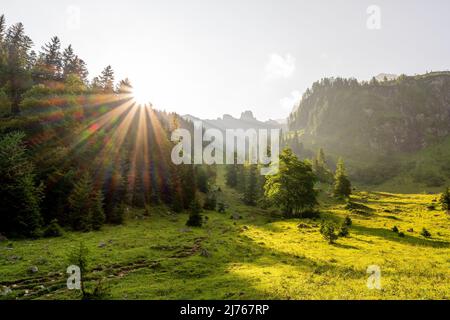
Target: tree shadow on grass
392	236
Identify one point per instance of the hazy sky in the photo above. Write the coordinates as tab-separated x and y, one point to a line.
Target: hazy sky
210	57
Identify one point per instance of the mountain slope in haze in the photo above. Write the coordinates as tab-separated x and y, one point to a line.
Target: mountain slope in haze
246	121
372	124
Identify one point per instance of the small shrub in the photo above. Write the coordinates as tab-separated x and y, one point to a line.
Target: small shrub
195	218
328	231
425	233
401	234
99	292
221	207
53	230
348	221
343	231
395	229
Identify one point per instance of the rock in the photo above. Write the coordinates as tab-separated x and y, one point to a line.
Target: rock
3	238
303	226
33	269
184	230
110	241
205	253
236	216
5	291
102	245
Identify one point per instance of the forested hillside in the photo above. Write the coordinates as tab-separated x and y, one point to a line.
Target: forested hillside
77	153
379	127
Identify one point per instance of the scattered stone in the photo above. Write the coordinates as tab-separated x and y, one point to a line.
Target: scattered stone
14	258
33	269
236	216
244	228
102	245
303	226
110	241
410	230
205	253
5	291
184	230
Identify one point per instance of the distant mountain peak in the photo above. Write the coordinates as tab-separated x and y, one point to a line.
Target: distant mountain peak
386	76
248	115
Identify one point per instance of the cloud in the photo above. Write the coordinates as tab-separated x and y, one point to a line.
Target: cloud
280	67
288	103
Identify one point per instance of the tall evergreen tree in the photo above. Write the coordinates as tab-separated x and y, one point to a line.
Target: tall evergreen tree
86	205
18	45
445	200
52	58
20	198
251	192
107	79
342	185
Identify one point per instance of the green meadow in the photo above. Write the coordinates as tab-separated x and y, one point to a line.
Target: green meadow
249	253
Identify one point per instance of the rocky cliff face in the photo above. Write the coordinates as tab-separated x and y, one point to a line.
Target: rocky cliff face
376	118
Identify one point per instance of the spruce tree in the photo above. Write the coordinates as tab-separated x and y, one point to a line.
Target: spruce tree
195	217
52	59
19	196
342	185
231	175
86	205
251	192
445	200
97	215
80	206
106	80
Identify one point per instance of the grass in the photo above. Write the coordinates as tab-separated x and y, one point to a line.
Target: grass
259	256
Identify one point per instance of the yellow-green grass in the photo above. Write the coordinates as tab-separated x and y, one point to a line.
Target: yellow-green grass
259	256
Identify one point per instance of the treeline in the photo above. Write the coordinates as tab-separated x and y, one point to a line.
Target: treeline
76	153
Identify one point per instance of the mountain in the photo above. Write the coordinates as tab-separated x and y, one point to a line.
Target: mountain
246	121
377	124
386	76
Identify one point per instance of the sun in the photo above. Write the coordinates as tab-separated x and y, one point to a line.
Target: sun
141	96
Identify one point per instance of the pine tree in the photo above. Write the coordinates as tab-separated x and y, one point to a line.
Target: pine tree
320	168
210	201
52	59
20	198
251	193
97	213
106	80
342	185
445	200
17	46
86	205
231	175
124	86
80	206
195	218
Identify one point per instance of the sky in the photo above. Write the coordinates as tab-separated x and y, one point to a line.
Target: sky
213	57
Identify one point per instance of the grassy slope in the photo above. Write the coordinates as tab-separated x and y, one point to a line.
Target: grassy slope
256	257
